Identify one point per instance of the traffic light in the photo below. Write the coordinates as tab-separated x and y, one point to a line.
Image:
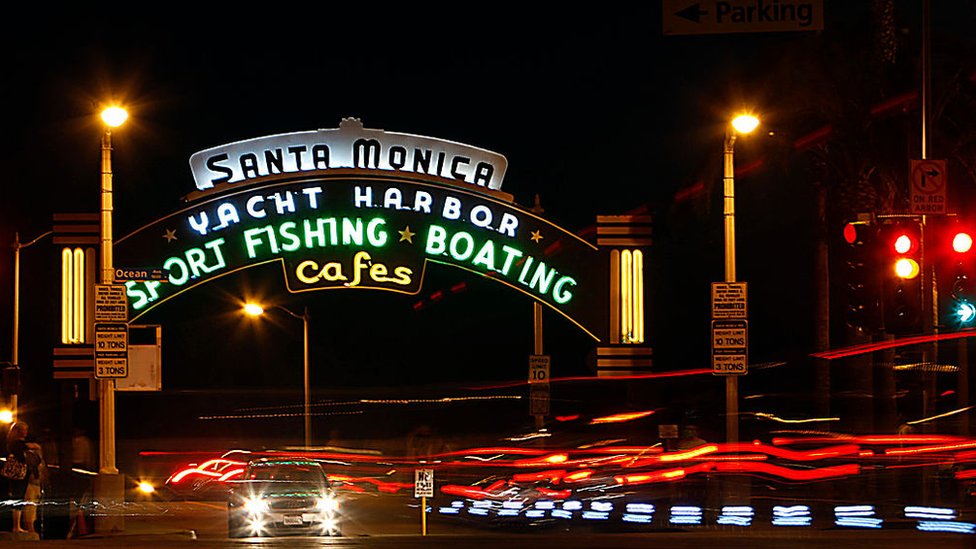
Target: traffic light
860	277
901	276
957	277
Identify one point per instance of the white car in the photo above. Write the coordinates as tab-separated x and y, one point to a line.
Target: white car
281	496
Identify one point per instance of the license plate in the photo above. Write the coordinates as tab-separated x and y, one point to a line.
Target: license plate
293	520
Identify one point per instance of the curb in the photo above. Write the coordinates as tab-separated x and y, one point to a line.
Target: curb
179	534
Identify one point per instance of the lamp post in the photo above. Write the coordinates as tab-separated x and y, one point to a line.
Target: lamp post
254	309
742	124
112	117
15	343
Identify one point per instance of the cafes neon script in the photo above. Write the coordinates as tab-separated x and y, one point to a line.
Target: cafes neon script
364	229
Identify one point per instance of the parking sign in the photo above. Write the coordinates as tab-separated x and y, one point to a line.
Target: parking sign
423	483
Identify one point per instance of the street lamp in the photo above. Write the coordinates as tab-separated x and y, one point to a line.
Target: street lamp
15	344
741	124
255	310
113	117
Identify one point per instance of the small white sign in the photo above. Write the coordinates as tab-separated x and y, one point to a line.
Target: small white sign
730	347
111	304
729	300
730	336
539	368
423	483
111	339
111	350
730	365
111	367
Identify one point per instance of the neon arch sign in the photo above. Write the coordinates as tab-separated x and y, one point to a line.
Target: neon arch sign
366	216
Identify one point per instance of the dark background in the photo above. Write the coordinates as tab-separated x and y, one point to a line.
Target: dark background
596	111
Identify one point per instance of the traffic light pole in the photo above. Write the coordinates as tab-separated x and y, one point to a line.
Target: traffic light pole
930	323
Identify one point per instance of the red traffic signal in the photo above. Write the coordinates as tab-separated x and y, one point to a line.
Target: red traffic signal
962	242
957	275
905	246
902	264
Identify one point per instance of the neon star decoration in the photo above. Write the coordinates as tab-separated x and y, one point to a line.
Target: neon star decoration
406	234
170	235
536	236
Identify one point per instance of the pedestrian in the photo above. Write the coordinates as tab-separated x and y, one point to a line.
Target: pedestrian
17	482
83	453
37	479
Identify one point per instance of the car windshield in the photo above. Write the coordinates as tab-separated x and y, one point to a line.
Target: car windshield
289	473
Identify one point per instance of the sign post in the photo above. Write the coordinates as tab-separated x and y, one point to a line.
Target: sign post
423	488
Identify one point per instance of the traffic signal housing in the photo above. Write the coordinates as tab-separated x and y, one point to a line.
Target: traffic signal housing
957	277
901	248
860	278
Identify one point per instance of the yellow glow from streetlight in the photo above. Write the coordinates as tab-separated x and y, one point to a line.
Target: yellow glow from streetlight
253	309
6	416
745	123
114	116
146	487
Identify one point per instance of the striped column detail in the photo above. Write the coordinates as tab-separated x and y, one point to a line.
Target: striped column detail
77	229
623	360
623	230
625	240
74	362
77	237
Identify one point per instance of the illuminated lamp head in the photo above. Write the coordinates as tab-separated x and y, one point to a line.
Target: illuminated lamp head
745	123
114	116
253	309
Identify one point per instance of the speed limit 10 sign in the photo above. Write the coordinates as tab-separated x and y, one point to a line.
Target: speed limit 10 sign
539	369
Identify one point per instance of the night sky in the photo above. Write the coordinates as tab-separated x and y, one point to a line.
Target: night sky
596	111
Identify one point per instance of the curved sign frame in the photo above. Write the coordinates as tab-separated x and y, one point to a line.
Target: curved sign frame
334	227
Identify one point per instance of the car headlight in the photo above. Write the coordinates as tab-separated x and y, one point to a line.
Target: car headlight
327	503
255	505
